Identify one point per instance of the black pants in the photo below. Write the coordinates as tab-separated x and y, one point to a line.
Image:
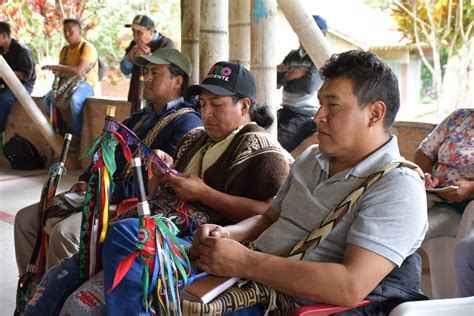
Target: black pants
401	285
293	128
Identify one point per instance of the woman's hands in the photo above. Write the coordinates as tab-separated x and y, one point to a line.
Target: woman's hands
465	191
167	159
187	187
159	175
430	182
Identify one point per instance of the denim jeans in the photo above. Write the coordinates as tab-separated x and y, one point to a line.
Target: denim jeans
121	240
55	287
62	281
7	98
83	91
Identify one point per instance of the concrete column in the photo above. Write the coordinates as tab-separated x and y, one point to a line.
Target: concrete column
262	52
190	15
239	32
214	41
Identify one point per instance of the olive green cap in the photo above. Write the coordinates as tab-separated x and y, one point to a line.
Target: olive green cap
166	56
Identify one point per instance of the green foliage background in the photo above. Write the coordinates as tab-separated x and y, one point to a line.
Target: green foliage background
38	24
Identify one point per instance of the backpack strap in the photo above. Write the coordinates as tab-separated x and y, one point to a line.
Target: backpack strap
65	49
315	237
161	124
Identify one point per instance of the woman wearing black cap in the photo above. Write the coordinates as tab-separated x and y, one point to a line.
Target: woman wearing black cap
232	167
228	171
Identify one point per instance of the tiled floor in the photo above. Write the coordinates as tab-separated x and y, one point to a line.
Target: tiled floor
17	190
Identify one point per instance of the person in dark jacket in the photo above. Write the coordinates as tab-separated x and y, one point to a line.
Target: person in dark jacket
300	80
145	41
166	76
20	59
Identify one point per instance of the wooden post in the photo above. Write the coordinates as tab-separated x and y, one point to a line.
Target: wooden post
239	32
213	40
29	105
263	57
190	14
307	30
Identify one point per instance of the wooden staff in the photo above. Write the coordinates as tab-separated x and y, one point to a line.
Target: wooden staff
29	105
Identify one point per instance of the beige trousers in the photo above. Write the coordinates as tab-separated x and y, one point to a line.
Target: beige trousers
64	236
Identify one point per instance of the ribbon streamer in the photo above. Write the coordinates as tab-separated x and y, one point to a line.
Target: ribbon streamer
165	265
96	202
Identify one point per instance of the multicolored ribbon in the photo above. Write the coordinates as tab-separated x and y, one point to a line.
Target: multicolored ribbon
166	267
145	152
37	266
96	201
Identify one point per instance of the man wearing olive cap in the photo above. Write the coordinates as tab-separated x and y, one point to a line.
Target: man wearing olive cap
160	125
145	41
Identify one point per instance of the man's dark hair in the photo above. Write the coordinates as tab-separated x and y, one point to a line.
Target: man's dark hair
5	29
372	80
72	21
176	71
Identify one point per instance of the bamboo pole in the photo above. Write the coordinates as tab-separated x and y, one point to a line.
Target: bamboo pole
190	12
263	56
308	32
239	32
29	105
214	42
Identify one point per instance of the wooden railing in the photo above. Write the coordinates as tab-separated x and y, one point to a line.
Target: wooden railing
94	114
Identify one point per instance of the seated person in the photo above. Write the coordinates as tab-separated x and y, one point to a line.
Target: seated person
216	166
167	74
445	156
78	65
146	39
300	80
371	252
464	266
20	59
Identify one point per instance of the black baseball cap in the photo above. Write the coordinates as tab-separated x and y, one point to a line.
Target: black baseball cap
142	20
226	79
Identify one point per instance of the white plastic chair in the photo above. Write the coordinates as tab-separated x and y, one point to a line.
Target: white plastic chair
453	306
440	255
